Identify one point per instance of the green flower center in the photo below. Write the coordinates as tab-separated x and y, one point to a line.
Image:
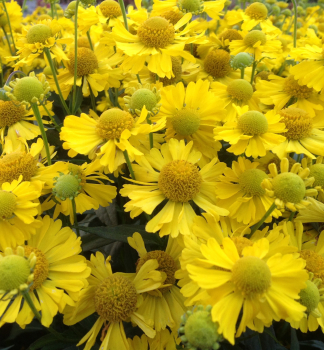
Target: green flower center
186	121
38	33
8	203
141	98
27	88
194	6
253	37
240	90
251	276
14	271
250	182
310	296
67	186
289	187
253	123
257	11
317	171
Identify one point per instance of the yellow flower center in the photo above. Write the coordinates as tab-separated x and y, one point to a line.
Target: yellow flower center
298	123
310	296
87	62
292	88
240	90
110	9
172	16
38	33
14	271
217	63
317	171
289	187
74	169
257	11
156	32
253	37
113	122
194	6
177	72
83	42
314	263
180	181
143	97
42	17
27	88
251	276
41	267
186	121
230	34
253	123
263	75
10	113
67	186
241	243
166	265
250	182
15	164
115	299
8	203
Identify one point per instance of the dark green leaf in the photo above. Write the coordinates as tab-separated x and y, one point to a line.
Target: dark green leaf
45	340
294	344
311	344
121	232
92	241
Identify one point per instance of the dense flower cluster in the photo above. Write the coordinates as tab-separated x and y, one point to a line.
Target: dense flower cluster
162	172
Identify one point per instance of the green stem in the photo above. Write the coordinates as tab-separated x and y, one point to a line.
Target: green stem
57	127
191	49
24	6
7	38
138	78
129	165
93	100
116	98
122	6
265	216
51	63
52	10
42	130
282	68
75	218
30	303
75	53
291	216
150	134
242	73
253	70
89	38
295	22
9	24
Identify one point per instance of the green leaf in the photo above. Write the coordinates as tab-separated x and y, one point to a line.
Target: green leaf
121	232
294	344
45	340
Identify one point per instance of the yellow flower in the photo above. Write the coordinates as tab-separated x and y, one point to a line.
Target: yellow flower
240	191
115	298
85	185
171	175
157	40
191	114
109	12
59	274
289	186
314	212
18	207
165	305
108	136
257	43
279	91
303	134
263	287
253	133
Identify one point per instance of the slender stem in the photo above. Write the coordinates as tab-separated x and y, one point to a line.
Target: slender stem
57	127
93	100
129	165
150	134
75	54
89	38
116	97
24	6
138	78
265	216
295	22
242	73
52	10
191	49
291	216
122	6
7	38
282	68
42	130
75	218
51	63
8	19
253	70
30	303
1	73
